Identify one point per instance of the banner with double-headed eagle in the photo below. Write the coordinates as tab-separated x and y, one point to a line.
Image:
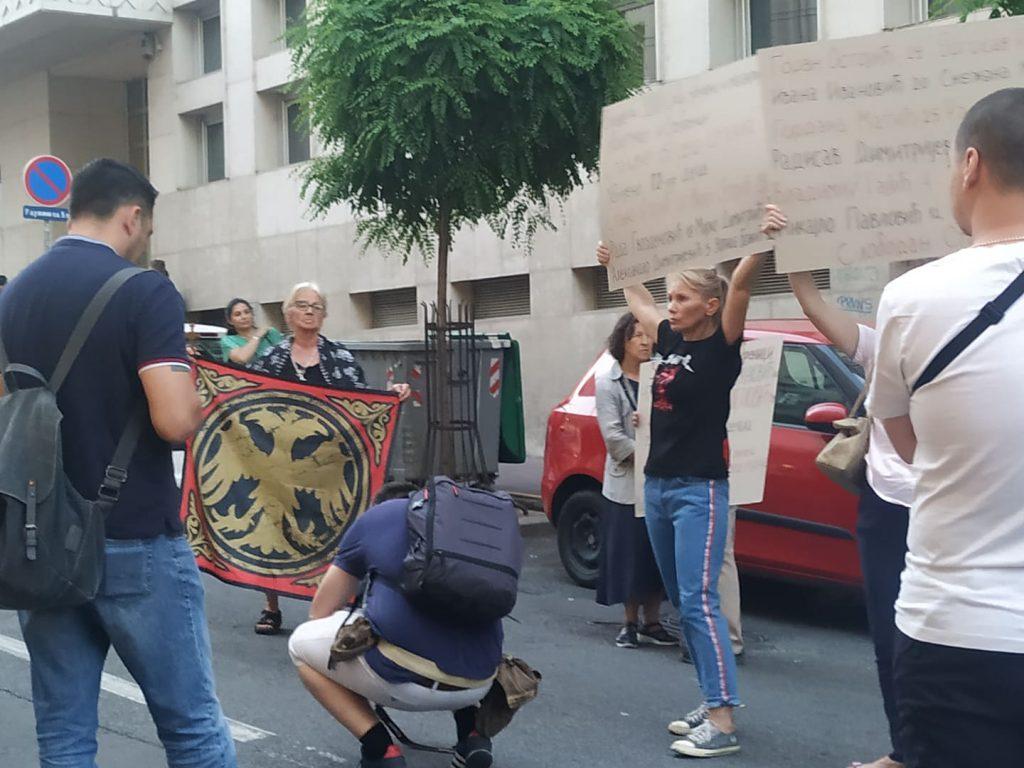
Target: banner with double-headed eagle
277	472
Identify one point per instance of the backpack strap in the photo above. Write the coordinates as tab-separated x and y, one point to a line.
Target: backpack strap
116	474
991	314
11	384
87	322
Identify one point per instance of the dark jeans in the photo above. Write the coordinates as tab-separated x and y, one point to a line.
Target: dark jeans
882	543
960	708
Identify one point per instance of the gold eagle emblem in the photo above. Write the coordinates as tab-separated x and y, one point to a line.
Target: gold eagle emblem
280	476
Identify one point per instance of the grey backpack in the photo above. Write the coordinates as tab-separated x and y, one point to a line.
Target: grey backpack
465	552
52	539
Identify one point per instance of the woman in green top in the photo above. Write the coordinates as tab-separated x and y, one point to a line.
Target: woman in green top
246	342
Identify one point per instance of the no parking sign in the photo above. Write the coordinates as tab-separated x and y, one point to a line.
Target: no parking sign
47	181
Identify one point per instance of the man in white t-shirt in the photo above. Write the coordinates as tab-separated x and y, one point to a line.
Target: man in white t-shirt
960	613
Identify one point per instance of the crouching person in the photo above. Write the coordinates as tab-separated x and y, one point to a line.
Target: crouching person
420	662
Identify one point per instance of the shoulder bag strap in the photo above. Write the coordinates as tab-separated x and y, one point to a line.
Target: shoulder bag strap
116	474
87	322
628	392
991	314
859	402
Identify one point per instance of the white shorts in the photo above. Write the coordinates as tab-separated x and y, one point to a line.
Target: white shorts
310	644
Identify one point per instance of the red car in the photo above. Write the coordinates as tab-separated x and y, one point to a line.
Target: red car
804	527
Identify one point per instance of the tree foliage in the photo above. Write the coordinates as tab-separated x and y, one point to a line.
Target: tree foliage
966	7
441	113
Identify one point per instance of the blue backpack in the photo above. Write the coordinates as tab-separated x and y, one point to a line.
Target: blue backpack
465	552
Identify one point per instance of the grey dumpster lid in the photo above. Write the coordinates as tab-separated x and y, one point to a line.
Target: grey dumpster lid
483	341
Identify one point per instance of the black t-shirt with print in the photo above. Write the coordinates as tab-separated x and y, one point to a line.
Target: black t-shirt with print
690	404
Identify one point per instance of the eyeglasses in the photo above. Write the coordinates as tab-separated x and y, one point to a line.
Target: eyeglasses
305	306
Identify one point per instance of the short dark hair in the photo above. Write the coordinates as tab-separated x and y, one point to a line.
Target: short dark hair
995	127
104	185
623	331
397	489
3	279
231	308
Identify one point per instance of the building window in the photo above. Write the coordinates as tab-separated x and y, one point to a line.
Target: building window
770	283
293	12
137	97
641	15
211	44
297	130
501	296
603	298
782	22
392	308
213	141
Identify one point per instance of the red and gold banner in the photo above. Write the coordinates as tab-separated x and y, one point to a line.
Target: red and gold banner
277	472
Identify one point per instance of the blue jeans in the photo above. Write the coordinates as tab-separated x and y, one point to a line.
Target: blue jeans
151	610
688	521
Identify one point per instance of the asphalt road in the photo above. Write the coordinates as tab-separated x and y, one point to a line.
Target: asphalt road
808	684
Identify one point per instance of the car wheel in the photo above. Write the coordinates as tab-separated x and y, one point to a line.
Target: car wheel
579	536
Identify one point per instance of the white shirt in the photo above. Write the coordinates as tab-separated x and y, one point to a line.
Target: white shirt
888	475
964	581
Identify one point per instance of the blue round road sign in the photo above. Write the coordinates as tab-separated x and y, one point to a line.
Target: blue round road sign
47	180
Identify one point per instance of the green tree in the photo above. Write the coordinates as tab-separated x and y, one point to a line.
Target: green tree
965	7
444	113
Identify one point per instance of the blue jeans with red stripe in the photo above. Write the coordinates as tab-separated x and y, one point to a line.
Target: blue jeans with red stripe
688	520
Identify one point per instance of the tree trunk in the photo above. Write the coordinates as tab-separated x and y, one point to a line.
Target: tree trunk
445	444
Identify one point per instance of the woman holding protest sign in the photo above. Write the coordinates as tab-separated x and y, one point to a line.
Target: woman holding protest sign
686	495
883	512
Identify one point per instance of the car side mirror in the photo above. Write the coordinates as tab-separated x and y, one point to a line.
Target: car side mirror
820	417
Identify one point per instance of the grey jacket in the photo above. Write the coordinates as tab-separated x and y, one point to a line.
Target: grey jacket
615	418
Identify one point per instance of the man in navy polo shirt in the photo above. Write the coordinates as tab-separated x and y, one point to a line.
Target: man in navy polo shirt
150	608
454	666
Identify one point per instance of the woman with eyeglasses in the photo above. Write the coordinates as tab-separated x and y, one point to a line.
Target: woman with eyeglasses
308	357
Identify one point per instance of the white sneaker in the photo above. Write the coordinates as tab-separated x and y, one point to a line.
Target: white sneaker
690	721
707	741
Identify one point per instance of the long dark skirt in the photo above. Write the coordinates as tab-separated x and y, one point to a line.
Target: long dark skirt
628	572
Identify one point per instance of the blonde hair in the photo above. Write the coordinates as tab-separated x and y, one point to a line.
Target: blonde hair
290	301
707	282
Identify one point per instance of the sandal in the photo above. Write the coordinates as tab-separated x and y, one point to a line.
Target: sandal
269	623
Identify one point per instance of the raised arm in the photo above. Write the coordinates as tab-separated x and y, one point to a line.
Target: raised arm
734	314
834	324
641	303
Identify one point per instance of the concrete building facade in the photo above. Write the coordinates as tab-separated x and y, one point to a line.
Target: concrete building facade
200	95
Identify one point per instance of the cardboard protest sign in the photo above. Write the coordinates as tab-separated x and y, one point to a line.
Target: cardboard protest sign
683	168
642	439
749	427
860	133
750	419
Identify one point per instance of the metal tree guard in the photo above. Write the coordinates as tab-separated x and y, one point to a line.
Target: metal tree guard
454	446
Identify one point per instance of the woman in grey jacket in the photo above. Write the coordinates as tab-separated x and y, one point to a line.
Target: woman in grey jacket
628	572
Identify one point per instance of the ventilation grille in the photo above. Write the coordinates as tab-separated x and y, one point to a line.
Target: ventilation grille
391	308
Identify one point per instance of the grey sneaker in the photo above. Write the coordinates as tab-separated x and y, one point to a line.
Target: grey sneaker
707	741
655	634
689	721
627	637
